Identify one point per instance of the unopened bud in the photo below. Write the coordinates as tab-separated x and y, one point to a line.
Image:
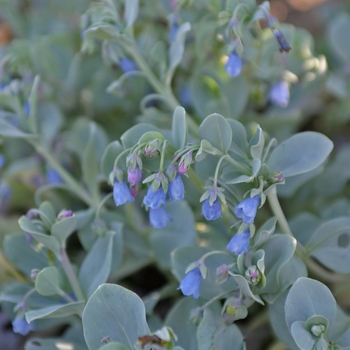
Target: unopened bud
253	275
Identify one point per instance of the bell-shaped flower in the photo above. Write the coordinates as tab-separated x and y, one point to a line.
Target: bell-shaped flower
211	212
53	177
21	326
279	94
134	176
121	193
239	243
127	65
159	217
154	199
176	189
234	65
247	209
191	283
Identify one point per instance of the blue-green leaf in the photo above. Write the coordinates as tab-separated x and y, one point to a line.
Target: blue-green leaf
114	312
96	267
179	127
213	333
54	311
178	46
217	131
330	244
301	153
309	298
131	11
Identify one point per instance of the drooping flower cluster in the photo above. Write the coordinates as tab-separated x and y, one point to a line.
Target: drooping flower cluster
160	184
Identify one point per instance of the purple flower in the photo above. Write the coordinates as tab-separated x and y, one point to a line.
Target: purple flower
247	209
134	176
279	93
211	212
191	283
154	199
20	325
159	217
121	193
234	65
176	189
239	244
53	177
127	65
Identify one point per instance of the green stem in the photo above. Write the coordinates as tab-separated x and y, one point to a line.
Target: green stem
278	212
217	169
195	179
203	307
67	267
73	184
102	203
161	165
300	251
157	85
120	155
214	252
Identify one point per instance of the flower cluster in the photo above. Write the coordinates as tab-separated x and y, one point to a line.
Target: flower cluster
211	206
246	210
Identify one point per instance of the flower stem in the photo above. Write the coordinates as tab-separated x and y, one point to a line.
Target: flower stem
73	184
278	212
161	165
67	267
157	85
203	307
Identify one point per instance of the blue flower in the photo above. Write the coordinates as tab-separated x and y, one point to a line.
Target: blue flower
2	160
134	176
127	65
247	209
191	283
121	193
239	244
173	31
176	189
211	212
159	217
20	325
234	65
26	108
154	199
279	94
53	177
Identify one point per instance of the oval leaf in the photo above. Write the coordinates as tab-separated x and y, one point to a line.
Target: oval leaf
308	298
179	127
301	153
114	312
217	131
